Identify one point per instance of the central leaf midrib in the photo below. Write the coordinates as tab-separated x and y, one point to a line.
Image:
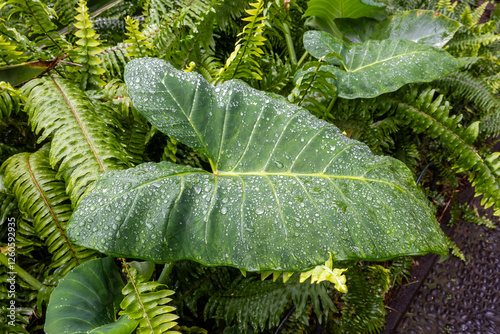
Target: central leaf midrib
262	174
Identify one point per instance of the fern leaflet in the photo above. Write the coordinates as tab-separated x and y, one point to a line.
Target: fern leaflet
42	198
83	144
147	302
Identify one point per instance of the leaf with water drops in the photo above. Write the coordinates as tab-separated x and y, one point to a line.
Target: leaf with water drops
285	189
377	67
419	26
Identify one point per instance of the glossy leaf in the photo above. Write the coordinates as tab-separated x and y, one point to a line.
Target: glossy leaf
419	26
17	74
287	189
377	67
87	300
324	12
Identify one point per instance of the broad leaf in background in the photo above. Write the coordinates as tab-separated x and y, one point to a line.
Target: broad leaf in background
324	12
287	189
377	67
419	26
87	300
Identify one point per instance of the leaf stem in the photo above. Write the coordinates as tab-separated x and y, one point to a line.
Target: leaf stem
289	44
25	276
167	269
301	60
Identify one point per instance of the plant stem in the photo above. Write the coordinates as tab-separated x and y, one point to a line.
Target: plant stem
289	43
12	267
167	269
301	60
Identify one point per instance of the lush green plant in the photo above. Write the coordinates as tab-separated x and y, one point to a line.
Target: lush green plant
248	178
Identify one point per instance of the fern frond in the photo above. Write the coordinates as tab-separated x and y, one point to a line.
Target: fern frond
185	24
464	211
37	15
88	49
114	60
315	88
464	85
8	53
66	10
83	145
209	66
364	310
139	46
261	303
10	100
42	198
277	73
147	302
242	63
8	202
490	125
446	5
426	113
134	127
469	42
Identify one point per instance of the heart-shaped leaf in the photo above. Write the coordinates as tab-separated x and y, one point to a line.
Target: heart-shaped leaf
286	189
87	300
377	67
324	12
419	26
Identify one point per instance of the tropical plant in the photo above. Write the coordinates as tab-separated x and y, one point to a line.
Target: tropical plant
256	143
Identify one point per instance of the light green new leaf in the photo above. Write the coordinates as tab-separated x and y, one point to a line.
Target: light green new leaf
324	12
419	26
377	67
286	188
87	300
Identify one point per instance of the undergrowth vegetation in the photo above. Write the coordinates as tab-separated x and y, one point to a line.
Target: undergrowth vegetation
256	173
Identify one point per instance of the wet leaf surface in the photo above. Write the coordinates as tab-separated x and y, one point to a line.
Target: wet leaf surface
286	189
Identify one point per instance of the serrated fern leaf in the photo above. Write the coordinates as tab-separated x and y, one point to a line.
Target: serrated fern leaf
242	63
134	127
315	88
464	211
426	113
114	60
470	42
261	303
42	198
83	144
139	45
466	86
8	202
37	17
10	100
88	49
8	53
364	310
66	10
490	125
147	302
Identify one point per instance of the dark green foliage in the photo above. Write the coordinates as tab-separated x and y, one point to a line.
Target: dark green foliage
466	86
425	112
42	199
221	40
364	309
242	302
59	109
465	212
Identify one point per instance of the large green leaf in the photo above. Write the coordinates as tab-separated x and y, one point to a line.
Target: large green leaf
377	67
419	26
287	188
87	300
324	12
